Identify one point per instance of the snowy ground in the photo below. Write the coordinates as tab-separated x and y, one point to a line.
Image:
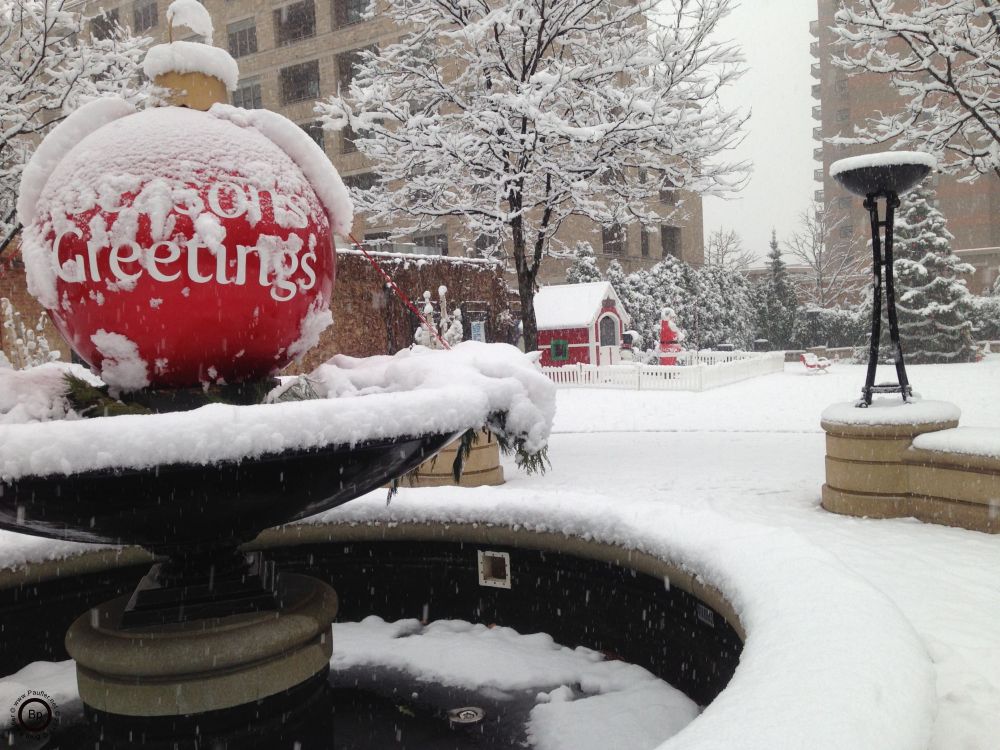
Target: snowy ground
737	472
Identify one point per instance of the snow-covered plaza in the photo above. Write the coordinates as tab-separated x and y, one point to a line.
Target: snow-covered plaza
860	633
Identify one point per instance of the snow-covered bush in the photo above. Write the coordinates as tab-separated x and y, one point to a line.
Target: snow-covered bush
584	267
27	343
986	318
836	327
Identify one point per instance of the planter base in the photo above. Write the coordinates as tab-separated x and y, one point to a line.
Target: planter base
203	665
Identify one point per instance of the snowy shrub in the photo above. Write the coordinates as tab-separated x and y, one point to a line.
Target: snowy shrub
817	326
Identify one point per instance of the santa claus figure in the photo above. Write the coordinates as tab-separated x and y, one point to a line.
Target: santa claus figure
671	337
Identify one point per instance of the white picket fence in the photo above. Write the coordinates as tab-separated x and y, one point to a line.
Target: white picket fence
703	370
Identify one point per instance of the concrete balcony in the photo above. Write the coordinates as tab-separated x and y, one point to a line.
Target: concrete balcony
817	112
818	196
816	70
818	175
818	153
817	133
814	28
817	92
814	49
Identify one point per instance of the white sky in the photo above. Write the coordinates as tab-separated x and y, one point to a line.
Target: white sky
774	35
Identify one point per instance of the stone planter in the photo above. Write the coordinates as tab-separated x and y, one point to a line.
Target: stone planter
482	467
873	470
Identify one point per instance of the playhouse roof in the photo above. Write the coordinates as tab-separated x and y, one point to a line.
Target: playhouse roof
573	305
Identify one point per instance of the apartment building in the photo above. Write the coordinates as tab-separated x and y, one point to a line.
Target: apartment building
292	53
843	102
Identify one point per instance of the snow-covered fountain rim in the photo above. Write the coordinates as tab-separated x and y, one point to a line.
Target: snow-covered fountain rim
811	617
416	392
883	159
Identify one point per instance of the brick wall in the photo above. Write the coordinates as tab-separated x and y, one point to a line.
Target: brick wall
367	321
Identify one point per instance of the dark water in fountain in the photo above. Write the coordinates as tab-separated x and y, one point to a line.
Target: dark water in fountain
357	709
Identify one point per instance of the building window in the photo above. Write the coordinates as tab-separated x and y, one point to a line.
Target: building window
347	68
360	181
613	239
374	240
843	115
668	193
144	15
299	82
347	12
105	25
247	94
846	231
644	242
559	350
315	131
840	86
670	241
437	241
242	37
294	22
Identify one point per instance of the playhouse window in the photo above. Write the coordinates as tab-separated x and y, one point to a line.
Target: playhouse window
609	331
559	350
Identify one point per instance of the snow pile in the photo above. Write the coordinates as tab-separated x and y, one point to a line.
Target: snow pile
56	679
192	14
891	411
584	703
305	152
192	57
971	441
417	392
884	159
121	366
37	394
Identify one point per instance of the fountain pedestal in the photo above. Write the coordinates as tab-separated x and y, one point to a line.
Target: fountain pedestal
207	664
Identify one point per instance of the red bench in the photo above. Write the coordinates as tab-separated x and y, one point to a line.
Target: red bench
814	363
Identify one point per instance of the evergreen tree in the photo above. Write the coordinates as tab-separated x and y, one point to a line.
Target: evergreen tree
584	267
933	305
776	302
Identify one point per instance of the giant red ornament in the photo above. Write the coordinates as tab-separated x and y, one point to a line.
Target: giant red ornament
185	244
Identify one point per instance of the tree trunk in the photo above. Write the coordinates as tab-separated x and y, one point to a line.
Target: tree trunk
526	273
526	289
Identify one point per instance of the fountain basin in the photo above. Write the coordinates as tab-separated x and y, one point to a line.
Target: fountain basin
881	174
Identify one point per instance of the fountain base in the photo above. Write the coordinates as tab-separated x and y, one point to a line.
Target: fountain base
211	664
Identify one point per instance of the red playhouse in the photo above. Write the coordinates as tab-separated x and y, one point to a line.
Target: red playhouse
671	337
580	324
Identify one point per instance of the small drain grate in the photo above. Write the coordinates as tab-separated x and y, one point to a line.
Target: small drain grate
466	715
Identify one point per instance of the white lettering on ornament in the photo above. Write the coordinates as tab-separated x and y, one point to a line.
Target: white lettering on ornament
278	260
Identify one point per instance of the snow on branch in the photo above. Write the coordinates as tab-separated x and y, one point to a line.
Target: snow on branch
943	58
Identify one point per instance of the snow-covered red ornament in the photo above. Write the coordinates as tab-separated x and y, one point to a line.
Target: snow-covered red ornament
174	247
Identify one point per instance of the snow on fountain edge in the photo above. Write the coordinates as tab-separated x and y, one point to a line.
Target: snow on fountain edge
829	662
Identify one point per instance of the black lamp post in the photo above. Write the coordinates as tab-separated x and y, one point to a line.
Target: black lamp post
886	176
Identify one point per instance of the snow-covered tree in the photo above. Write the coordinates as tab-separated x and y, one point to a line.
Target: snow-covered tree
518	115
839	269
49	63
941	56
584	267
776	301
725	248
718	309
933	305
